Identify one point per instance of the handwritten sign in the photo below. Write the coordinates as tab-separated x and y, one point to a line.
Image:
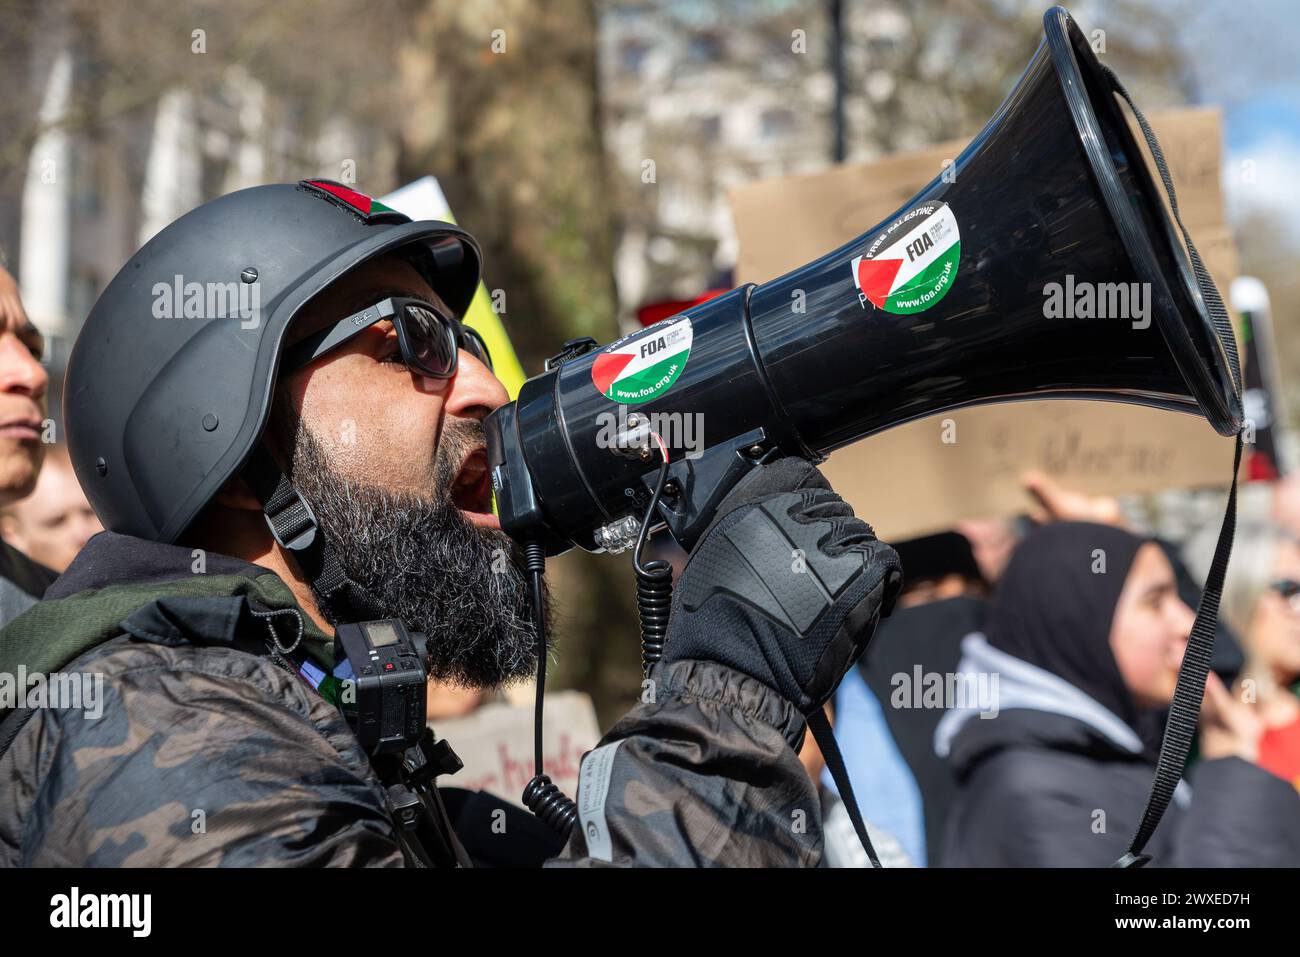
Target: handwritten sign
496	744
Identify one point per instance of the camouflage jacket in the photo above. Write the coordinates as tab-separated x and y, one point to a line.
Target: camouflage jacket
186	749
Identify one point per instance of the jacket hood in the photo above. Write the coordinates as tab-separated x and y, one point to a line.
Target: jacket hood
1023	686
120	584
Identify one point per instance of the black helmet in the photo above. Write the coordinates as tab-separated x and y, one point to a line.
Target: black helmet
162	409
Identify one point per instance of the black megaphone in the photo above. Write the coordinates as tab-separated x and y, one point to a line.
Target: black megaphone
1047	267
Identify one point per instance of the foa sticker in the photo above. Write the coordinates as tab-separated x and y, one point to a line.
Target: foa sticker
913	263
645	364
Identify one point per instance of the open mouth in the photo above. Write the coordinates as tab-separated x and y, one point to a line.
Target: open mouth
471	491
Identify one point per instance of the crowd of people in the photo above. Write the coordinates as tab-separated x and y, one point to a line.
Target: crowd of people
1007	714
1065	645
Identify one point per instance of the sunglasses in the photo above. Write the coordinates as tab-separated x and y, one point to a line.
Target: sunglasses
429	339
1289	589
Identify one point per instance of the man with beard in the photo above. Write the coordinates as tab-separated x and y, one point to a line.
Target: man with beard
278	417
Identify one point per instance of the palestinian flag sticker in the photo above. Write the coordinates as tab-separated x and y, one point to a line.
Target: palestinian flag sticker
645	364
912	264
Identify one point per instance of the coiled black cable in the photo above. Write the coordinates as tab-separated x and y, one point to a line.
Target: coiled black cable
654	596
654	591
545	799
654	582
542	796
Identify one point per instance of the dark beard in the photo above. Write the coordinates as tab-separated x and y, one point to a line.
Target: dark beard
422	561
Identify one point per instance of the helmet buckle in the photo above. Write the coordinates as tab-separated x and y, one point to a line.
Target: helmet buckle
291	520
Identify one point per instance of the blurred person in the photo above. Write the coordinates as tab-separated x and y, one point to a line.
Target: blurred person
991	540
53	524
886	714
1086	632
889	705
1055	502
23	382
842	846
1261	601
448	700
1286	503
994	539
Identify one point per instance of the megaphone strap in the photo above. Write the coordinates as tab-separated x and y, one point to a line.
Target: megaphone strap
1190	689
825	738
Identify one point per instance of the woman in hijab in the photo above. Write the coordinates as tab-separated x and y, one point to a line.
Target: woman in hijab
1082	649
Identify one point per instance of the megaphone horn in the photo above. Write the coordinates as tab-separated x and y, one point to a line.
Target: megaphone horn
1048	266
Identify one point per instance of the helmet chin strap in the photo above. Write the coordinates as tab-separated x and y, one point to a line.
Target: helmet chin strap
293	524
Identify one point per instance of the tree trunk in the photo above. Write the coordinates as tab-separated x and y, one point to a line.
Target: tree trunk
501	104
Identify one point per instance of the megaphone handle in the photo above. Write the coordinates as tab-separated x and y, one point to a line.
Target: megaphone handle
698	485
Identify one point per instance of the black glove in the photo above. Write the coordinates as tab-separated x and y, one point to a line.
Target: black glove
785	585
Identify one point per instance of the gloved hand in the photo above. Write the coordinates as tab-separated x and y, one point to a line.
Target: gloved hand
785	585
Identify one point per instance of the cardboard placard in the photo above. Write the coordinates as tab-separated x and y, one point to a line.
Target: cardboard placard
496	744
820	211
929	474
